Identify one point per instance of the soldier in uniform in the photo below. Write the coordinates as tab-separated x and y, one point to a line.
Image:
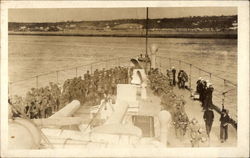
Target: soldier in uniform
209	95
173	74
208	118
196	134
203	92
198	88
170	77
147	63
224	119
183	122
87	75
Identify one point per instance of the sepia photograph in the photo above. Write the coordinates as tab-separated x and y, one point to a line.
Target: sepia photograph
146	77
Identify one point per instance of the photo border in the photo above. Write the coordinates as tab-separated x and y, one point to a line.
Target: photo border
242	149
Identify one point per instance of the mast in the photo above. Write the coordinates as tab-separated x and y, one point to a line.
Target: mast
146	31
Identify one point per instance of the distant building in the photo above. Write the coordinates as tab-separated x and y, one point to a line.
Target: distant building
59	28
22	28
128	26
234	26
72	25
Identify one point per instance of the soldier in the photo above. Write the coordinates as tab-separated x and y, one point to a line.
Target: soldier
147	63
208	118
224	119
199	87
170	77
209	95
183	122
203	92
87	75
176	124
173	74
180	74
196	133
140	58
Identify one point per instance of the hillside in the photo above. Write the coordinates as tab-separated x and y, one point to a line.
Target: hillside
197	23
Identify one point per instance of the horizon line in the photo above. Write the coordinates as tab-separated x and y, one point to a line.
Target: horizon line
121	19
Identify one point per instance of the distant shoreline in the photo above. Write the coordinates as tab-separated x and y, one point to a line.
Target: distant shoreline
152	34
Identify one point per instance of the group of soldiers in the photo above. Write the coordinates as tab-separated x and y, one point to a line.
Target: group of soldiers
43	102
176	106
205	90
38	102
91	89
182	77
145	62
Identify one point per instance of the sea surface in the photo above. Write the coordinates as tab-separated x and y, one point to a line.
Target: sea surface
33	55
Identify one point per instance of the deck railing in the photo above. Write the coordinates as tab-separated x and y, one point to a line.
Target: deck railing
225	91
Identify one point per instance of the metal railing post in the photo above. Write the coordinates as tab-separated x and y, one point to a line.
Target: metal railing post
36	81
180	64
199	72
210	76
224	84
223	93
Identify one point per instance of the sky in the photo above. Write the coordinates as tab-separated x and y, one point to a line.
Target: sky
91	14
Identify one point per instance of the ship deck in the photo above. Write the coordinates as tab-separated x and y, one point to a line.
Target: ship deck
151	107
194	110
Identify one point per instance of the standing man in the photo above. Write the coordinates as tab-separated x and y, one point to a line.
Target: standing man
170	76
208	118
174	72
209	95
224	120
147	63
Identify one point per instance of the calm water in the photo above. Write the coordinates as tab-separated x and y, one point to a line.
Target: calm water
32	55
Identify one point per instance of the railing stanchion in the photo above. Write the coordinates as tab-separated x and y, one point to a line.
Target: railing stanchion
76	71
36	81
210	76
180	64
199	72
224	84
190	69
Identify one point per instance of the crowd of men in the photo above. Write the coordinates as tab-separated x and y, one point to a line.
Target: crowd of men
162	85
182	78
205	90
38	102
89	90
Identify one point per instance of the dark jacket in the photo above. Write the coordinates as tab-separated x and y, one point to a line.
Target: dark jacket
224	119
208	116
